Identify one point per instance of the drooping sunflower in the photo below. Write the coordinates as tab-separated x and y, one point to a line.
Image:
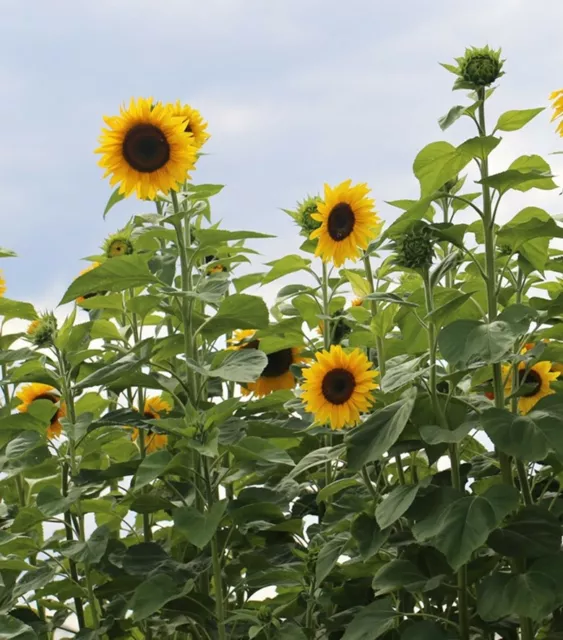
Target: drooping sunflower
538	377
338	387
37	391
2	285
557	105
86	296
146	149
348	222
154	407
276	374
193	122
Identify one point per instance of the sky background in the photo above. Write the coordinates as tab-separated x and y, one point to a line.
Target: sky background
296	92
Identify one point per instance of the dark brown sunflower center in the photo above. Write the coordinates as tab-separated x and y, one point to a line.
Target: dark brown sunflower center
531	378
338	386
188	128
341	221
146	148
150	415
278	363
52	398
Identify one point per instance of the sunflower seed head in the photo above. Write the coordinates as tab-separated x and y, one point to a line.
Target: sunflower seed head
118	244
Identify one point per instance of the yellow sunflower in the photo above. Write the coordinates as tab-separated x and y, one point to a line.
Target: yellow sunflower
154	407
555	366
276	374
193	122
91	267
348	222
357	302
32	327
338	387
36	391
538	377
557	105
2	285
146	149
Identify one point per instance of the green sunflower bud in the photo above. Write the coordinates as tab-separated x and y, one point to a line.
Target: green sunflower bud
264	614
505	250
478	68
303	214
415	250
42	332
118	244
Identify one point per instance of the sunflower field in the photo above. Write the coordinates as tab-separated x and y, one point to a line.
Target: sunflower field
377	455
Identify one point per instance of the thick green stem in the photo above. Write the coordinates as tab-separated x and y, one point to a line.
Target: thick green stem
327	339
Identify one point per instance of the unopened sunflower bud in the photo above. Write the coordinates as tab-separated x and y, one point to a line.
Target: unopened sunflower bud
479	67
42	332
118	244
305	210
415	250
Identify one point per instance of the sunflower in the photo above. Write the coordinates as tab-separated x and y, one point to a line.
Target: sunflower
193	122
153	409
557	105
338	387
36	391
2	285
276	374
118	244
348	222
357	302
555	366
146	149
538	377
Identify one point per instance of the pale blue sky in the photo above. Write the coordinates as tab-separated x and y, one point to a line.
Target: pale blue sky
297	92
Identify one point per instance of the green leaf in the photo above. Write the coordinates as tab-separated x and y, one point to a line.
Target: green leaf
479	147
424	631
284	266
151	467
464	525
33	580
239	311
532	532
204	191
529	437
390	297
7	253
516	119
372	439
113	200
214	237
314	459
395	504
401	374
13	629
90	551
440	315
117	274
368	535
246	281
152	594
245	365
51	502
437	163
335	487
465	342
15	309
453	114
432	434
114	371
398	574
372	621
199	527
254	448
360	286
525	173
329	554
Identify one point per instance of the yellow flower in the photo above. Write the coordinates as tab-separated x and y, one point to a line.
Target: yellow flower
36	391
89	268
338	387
2	285
193	122
276	374
357	302
146	149
32	327
348	222
118	244
557	105
538	377
153	409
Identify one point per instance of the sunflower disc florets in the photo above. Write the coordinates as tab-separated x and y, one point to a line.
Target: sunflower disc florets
42	332
118	244
415	250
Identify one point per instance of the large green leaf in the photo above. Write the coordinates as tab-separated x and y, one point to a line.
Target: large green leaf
424	631
245	365
437	163
526	172
90	551
465	342
239	311
528	437
379	432
254	448
16	309
152	594
329	554
116	274
199	527
479	147
13	629
395	504
465	524
372	621
367	534
515	119
284	266
151	467
398	574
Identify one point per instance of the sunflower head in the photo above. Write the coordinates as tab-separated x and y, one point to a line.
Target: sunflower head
348	222
534	383
118	244
36	391
479	67
146	149
556	99
338	386
194	124
415	249
2	285
42	331
153	441
154	407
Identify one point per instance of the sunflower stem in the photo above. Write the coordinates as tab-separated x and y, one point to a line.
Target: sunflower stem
327	340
